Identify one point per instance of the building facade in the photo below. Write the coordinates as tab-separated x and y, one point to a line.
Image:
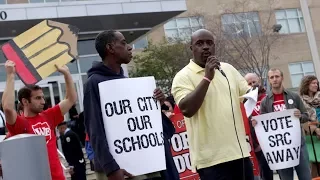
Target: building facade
293	53
131	17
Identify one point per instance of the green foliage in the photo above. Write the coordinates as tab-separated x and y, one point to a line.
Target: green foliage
163	61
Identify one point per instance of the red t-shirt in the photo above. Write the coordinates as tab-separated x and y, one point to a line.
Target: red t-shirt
43	124
279	104
256	110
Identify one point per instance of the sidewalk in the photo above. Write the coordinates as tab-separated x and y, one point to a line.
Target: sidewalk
276	176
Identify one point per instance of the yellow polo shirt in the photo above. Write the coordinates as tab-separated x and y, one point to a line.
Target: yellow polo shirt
211	133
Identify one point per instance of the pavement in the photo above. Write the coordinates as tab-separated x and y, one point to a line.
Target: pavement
276	176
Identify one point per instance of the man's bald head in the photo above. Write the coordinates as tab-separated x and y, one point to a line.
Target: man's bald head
202	46
252	79
200	32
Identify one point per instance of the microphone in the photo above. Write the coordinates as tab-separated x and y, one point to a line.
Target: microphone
222	72
219	69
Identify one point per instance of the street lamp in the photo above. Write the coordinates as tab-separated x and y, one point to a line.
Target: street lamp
276	28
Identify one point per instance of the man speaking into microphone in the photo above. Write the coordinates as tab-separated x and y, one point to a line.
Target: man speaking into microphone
216	134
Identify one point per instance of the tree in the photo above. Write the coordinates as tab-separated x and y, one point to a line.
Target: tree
162	60
246	42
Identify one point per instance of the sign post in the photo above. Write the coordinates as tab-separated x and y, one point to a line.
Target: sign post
279	135
133	124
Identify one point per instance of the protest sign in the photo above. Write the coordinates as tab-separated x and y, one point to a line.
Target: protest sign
37	50
133	124
253	157
180	149
279	135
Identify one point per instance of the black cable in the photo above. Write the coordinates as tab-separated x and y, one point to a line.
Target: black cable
234	123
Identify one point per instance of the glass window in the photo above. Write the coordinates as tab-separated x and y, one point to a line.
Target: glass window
299	70
86	62
84	78
241	23
291	21
86	47
36	1
296	79
2	58
2	1
285	26
52	0
141	43
170	24
182	28
183	22
2	74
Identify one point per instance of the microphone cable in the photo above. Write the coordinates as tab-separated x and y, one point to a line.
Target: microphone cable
234	122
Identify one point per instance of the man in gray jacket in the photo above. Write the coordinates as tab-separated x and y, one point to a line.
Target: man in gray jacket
281	99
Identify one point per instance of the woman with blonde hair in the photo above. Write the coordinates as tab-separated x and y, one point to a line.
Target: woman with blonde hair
310	94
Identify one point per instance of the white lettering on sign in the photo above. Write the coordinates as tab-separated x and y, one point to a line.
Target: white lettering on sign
180	142
3	15
182	162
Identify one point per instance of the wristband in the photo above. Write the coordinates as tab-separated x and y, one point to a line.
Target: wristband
207	79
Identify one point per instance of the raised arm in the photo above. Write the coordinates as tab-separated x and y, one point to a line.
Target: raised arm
8	97
71	94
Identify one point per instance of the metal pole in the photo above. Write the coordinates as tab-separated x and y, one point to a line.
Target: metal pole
311	37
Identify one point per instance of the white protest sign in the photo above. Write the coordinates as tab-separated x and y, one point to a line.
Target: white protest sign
279	135
133	124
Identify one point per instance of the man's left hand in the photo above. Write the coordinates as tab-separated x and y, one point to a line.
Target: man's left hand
158	94
297	113
64	69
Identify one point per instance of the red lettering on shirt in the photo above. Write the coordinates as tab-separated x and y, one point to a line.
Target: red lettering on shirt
279	104
43	124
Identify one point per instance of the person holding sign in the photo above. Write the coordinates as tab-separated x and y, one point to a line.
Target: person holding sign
209	100
114	51
279	100
265	172
34	119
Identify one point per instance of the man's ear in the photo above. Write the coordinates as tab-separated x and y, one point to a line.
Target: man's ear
24	101
109	48
191	47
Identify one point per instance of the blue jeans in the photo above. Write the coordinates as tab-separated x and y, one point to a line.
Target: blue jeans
303	169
